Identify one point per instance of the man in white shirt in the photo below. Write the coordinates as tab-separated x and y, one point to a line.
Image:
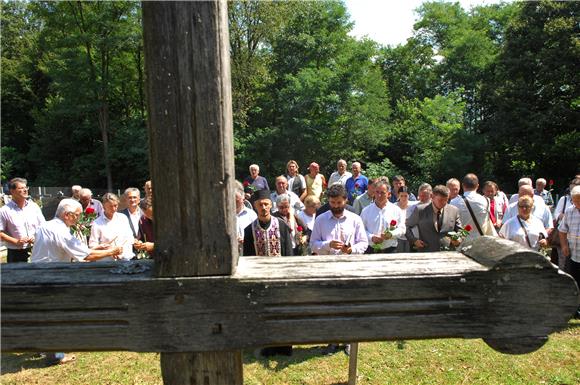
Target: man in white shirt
133	210
282	189
538	201
55	243
19	220
542	212
112	228
478	216
570	236
454	186
340	176
383	221
338	231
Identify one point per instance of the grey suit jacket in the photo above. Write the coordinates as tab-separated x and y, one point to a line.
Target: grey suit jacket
423	218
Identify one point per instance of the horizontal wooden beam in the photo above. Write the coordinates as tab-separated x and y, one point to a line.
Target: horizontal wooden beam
510	296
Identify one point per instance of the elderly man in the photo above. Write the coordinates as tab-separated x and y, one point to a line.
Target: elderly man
19	220
338	231
55	243
340	176
112	228
570	236
542	212
282	189
454	186
357	184
76	190
383	221
315	181
255	179
474	208
543	193
425	193
434	222
398	182
86	200
538	201
133	211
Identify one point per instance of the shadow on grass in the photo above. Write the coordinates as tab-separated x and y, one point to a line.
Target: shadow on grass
278	363
16	362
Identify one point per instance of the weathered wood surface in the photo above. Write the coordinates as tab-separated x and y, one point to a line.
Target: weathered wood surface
191	136
192	162
508	295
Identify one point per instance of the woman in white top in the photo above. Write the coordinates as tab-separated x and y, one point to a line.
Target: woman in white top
308	215
524	228
407	208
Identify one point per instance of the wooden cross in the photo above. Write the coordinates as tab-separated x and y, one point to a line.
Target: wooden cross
199	307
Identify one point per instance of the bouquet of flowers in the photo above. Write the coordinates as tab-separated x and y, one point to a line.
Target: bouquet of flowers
458	235
356	191
388	233
301	240
83	226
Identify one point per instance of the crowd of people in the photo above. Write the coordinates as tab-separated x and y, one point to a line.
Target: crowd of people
308	215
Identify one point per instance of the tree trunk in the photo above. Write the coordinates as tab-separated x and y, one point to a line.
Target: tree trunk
192	160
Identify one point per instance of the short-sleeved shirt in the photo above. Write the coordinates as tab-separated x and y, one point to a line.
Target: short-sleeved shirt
116	231
570	225
512	229
20	222
356	187
55	243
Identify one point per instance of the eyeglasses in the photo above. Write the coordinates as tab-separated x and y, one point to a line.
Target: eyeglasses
25	188
75	214
524	207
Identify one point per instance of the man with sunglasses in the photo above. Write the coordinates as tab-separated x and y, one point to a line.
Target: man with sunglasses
19	220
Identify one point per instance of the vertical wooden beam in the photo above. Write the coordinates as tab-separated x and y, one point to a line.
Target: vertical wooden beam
192	160
190	136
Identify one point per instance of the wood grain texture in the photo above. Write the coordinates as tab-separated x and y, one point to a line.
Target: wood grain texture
192	160
190	136
512	305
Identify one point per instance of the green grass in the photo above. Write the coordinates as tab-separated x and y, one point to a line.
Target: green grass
445	361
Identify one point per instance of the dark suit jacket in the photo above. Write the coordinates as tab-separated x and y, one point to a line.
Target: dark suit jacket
423	218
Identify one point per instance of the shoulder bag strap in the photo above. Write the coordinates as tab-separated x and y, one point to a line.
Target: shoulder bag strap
525	232
472	215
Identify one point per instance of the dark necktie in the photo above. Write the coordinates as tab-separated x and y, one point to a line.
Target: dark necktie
439	220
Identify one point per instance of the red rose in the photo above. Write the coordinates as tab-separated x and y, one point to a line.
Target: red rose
356	185
246	183
551	182
299	228
90	210
468	228
393	223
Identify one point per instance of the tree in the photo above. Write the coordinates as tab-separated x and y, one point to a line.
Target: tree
533	125
91	52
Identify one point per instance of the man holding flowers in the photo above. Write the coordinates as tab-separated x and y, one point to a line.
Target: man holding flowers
383	221
437	222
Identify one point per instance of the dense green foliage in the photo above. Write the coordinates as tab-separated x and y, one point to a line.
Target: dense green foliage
493	90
